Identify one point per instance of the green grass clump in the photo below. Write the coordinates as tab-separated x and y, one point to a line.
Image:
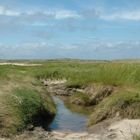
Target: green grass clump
136	137
28	102
124	103
27	107
80	99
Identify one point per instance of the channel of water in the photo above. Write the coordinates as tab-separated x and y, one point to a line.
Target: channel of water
66	120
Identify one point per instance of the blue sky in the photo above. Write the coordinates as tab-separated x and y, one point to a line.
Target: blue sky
83	29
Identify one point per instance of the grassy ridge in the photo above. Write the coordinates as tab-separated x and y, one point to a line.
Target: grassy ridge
19	82
81	73
23	101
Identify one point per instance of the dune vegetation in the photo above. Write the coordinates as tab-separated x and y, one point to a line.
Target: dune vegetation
24	101
115	87
137	138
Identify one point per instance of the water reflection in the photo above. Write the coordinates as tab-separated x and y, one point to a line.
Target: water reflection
67	120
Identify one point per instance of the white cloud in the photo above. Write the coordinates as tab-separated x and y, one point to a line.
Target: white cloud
66	14
122	15
68	47
8	12
56	14
50	13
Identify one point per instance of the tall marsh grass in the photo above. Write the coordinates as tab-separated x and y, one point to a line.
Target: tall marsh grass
85	73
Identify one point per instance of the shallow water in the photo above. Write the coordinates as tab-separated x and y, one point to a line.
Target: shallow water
66	120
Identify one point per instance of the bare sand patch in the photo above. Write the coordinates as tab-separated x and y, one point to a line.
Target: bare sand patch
19	64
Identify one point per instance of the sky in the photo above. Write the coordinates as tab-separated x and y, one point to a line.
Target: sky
78	29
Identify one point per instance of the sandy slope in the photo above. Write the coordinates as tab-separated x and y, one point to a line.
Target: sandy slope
121	130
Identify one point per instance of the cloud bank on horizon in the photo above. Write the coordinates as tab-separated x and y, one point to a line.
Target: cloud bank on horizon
91	29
